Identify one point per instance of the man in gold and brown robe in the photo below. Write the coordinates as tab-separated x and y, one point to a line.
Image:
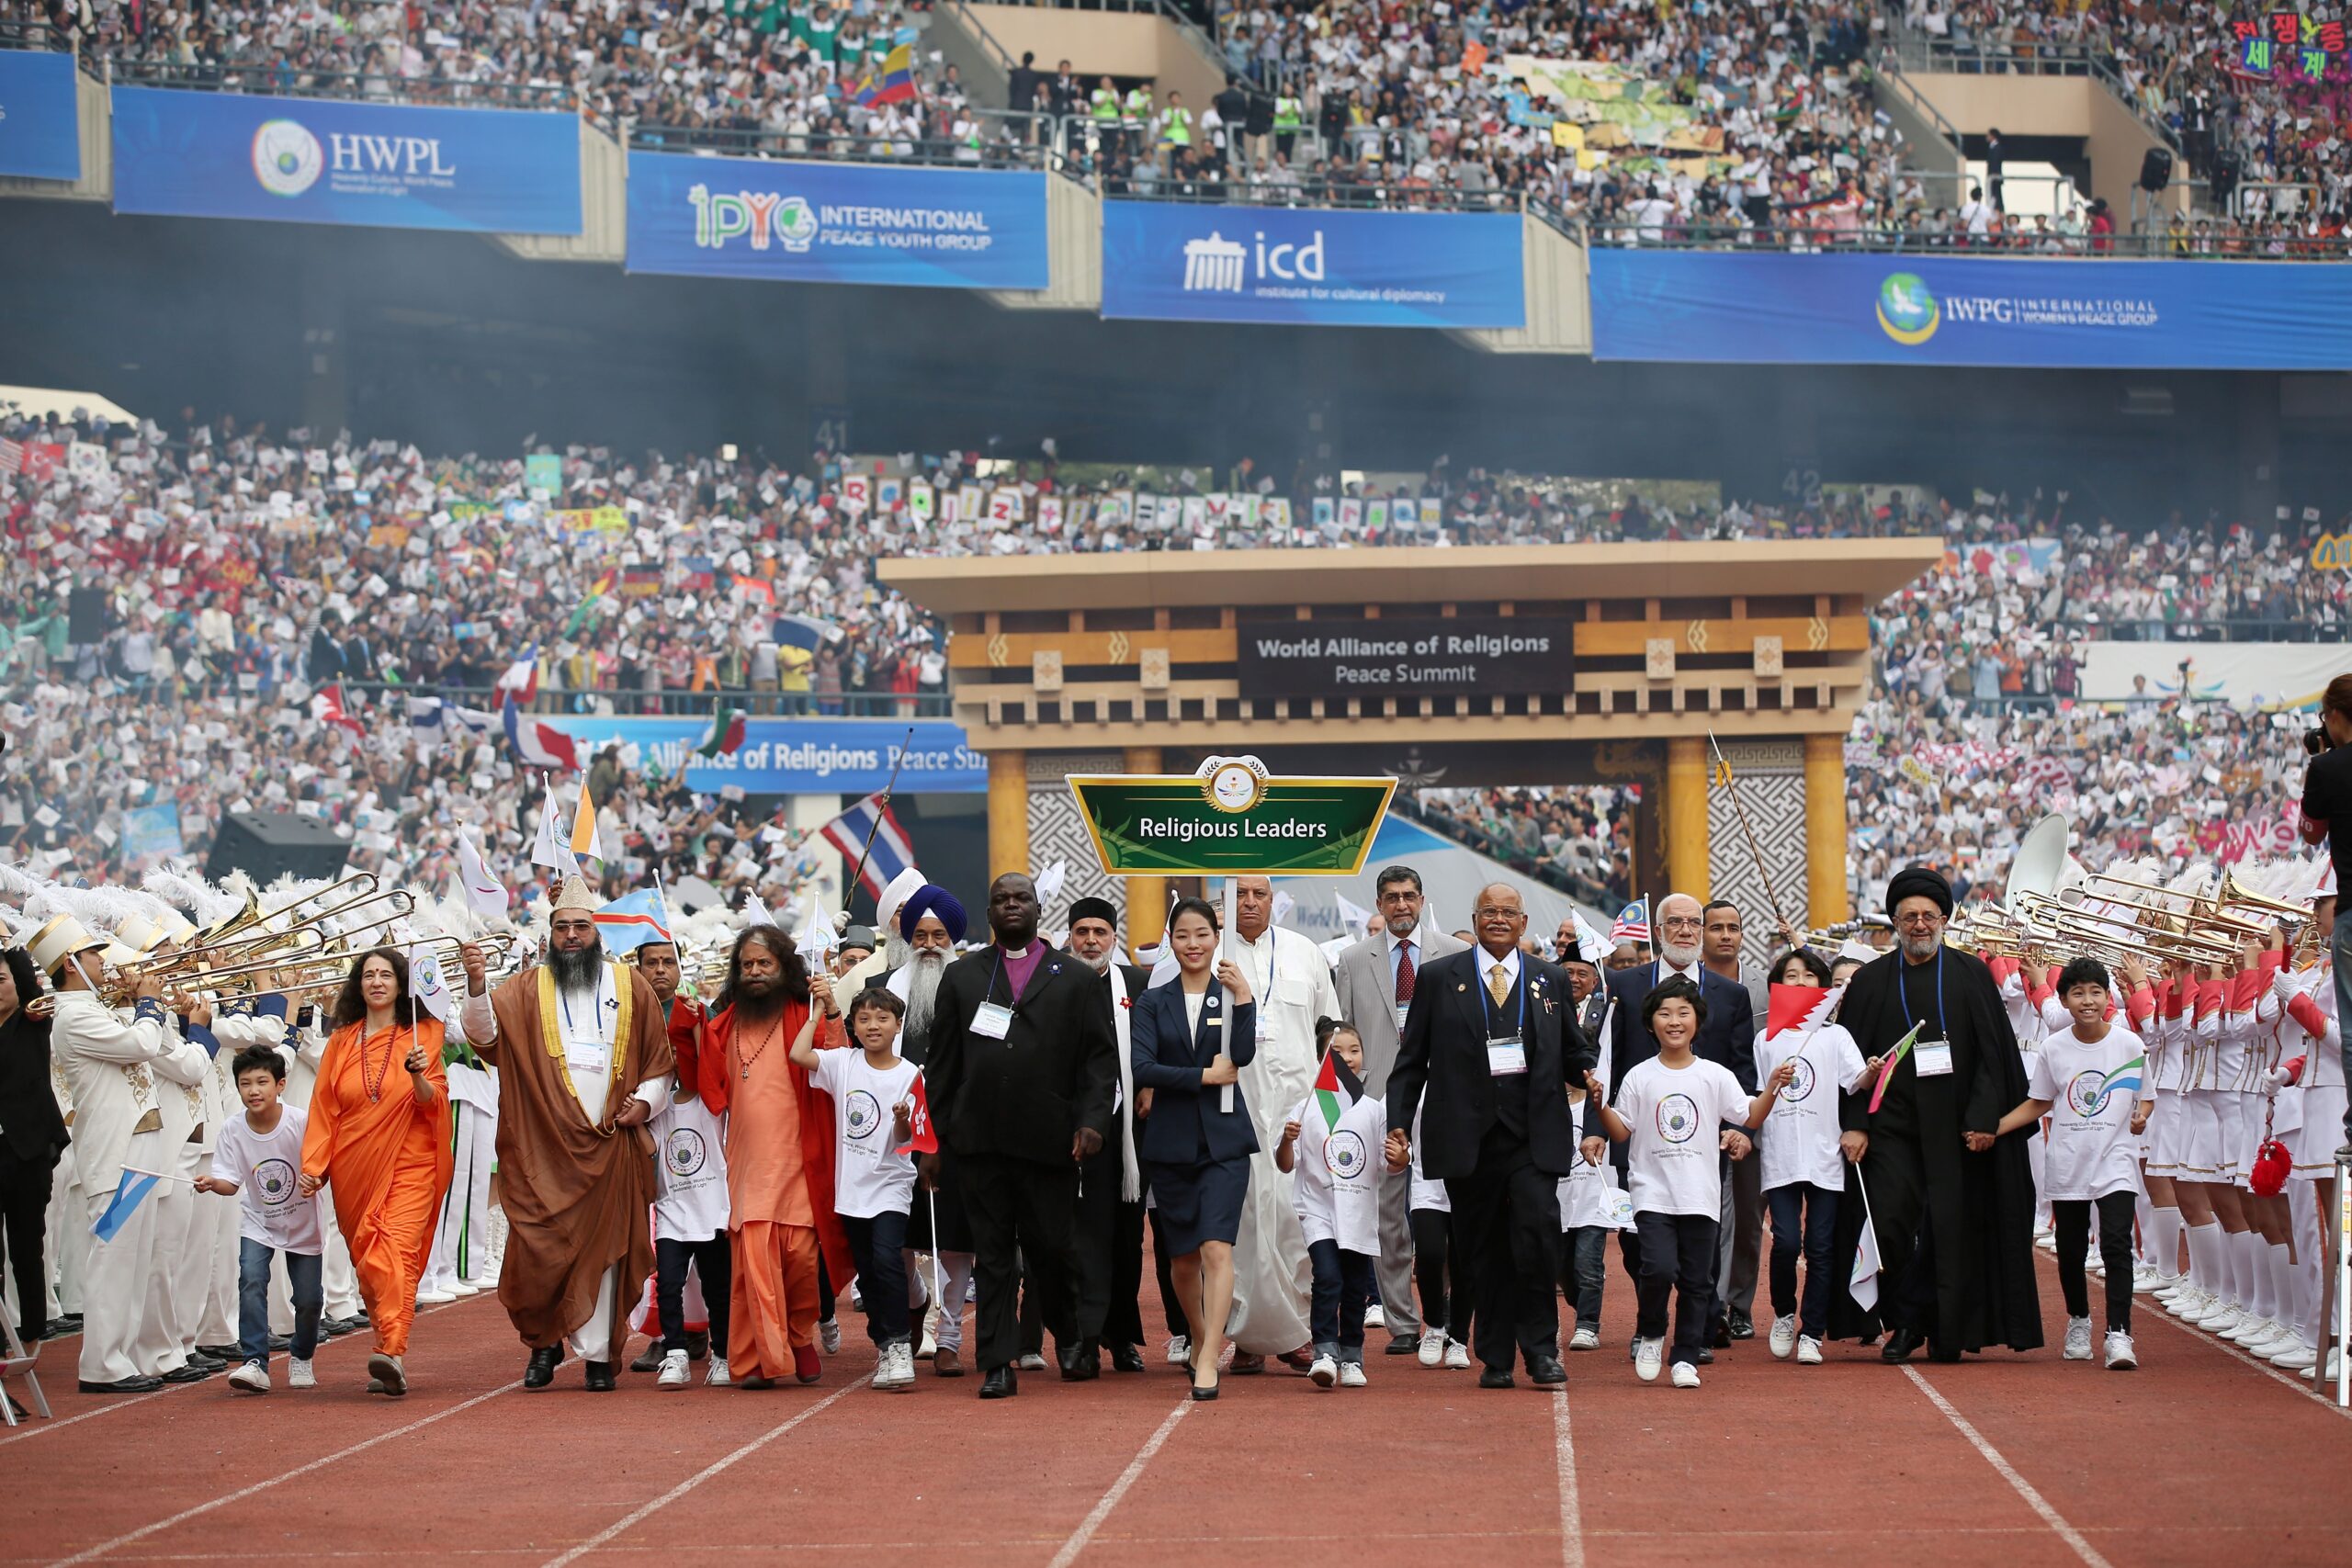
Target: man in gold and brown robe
583	1063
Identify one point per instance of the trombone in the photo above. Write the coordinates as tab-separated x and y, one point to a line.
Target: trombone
263	977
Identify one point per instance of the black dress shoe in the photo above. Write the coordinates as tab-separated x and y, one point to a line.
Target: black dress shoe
281	1342
128	1385
1495	1377
1545	1371
208	1362
1742	1327
192	1372
651	1362
1081	1363
1404	1343
223	1353
1899	1345
1126	1358
541	1371
1939	1351
1705	1357
1721	1338
60	1329
600	1377
755	1383
1002	1382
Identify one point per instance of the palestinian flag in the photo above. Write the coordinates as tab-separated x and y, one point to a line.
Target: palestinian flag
726	736
1335	1088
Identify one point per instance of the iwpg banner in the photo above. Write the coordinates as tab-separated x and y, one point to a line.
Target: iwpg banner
792	756
837	223
321	161
39	131
1715	307
1174	261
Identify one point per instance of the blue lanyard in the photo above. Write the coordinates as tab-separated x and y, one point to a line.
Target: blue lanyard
564	1000
1944	1028
1486	1003
994	975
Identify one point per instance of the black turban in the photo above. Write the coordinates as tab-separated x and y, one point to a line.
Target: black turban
1918	881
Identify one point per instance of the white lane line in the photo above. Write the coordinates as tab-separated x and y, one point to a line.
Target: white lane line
2041	1505
239	1495
647	1510
1127	1477
1563	1444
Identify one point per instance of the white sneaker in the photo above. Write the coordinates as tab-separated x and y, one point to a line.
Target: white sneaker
2119	1356
2335	1362
1685	1375
856	1296
2144	1278
1351	1374
463	1289
2188	1303
2078	1339
2046	1240
1376	1315
1432	1351
1457	1356
716	1376
898	1369
1584	1339
251	1376
2272	1343
1324	1371
2250	1328
1785	1336
1031	1362
2297	1357
297	1375
829	1334
1180	1351
1648	1356
1808	1351
674	1371
435	1298
2226	1315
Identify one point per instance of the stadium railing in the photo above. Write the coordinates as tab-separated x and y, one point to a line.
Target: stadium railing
1009	141
1398	194
1550	871
2190	246
633	702
365	86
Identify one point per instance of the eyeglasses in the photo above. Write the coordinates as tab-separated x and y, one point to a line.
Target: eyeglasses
1919	920
1682	923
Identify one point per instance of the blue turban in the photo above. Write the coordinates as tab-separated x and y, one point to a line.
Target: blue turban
932	899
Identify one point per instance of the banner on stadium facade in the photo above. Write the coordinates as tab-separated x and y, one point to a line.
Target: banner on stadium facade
1177	261
790	756
40	133
323	161
1424	657
837	223
1229	818
2262	674
1715	306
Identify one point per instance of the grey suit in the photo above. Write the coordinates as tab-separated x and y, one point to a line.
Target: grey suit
1365	979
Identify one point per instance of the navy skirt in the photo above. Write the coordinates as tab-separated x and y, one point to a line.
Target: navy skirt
1198	1202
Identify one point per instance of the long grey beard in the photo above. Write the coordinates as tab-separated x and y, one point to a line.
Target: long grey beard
575	971
1679	957
923	993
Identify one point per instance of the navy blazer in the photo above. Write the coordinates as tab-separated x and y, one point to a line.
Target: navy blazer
1185	1126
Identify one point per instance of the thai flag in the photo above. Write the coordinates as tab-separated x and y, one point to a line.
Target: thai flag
627	924
892	851
538	745
1633	922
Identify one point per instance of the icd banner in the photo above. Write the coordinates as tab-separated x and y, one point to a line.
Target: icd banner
1175	261
324	161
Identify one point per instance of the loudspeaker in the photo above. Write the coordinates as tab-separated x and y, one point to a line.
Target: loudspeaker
266	845
2156	169
86	616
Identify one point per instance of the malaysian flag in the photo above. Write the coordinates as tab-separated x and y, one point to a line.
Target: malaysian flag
1632	923
892	853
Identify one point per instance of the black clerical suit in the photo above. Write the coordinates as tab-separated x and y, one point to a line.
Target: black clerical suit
1501	1144
1007	1110
1106	1240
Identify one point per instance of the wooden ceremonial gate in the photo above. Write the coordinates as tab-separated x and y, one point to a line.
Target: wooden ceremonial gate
1476	666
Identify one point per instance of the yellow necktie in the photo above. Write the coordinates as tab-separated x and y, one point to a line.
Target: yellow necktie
1498	985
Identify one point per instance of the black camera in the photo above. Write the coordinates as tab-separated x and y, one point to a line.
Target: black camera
2315	740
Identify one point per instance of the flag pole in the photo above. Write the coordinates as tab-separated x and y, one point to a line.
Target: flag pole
881	805
1722	771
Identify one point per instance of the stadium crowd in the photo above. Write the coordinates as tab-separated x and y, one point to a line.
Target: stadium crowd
231	575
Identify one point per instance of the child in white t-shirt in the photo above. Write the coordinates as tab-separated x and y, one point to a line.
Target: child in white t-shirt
1337	1197
1446	1296
256	1160
874	1179
1804	1166
2092	1081
1674	1114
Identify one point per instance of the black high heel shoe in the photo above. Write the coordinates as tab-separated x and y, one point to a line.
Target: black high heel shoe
1202	1395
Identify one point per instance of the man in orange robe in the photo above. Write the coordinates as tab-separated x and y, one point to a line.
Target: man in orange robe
779	1159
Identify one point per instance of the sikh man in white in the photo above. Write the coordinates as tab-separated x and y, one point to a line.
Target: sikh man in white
110	1067
1271	1277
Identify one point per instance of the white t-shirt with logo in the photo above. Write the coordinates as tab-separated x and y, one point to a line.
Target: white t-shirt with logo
1336	1188
868	1180
1798	1143
690	1193
1677	1117
270	1209
2092	1090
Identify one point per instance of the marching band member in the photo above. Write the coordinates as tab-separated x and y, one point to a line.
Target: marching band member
2312	1038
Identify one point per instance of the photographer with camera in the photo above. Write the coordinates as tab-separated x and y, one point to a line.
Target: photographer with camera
2328	813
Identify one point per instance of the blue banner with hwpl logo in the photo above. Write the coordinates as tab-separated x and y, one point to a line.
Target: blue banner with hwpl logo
1716	307
837	223
1175	261
321	161
40	129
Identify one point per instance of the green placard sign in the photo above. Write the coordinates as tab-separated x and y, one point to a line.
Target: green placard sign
1230	817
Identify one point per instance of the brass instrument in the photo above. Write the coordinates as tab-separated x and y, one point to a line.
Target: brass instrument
263	977
2236	895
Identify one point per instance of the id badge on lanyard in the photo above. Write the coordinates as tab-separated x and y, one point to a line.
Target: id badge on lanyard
1506	1053
994	1021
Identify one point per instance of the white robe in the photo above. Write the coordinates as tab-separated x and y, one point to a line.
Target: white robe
1271	1277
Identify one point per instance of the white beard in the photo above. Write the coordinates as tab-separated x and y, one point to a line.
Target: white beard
922	992
1679	957
1100	965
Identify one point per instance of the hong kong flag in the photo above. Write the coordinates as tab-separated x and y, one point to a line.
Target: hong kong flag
922	1138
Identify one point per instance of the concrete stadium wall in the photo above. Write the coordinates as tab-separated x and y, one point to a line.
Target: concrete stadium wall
94	111
1106	43
2113	139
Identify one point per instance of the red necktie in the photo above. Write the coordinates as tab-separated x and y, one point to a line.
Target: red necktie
1404	973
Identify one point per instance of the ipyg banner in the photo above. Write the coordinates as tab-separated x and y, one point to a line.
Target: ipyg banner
792	756
40	131
1713	307
321	161
837	223
1175	261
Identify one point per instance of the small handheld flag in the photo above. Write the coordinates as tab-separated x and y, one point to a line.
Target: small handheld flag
127	1196
1863	1285
583	829
922	1138
725	736
629	923
548	849
484	892
1801	1007
1336	1090
1633	922
1886	1069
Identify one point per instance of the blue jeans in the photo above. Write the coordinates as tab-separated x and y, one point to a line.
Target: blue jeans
878	1244
1343	1284
1803	1216
302	1274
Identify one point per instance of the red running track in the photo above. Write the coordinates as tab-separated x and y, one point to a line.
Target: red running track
2200	1458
